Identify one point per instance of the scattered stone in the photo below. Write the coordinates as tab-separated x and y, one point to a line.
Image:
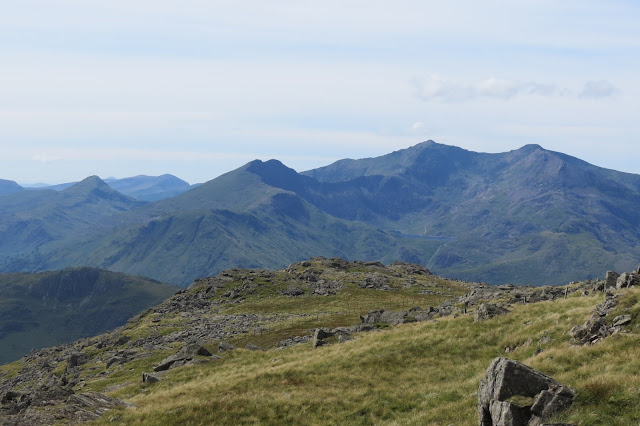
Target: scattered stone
594	329
512	393
292	291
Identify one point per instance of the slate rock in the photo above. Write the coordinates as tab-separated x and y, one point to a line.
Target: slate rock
292	291
319	335
224	347
149	378
622	320
611	279
252	347
506	379
593	329
486	311
508	414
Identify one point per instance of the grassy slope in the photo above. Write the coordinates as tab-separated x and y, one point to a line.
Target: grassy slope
425	373
33	314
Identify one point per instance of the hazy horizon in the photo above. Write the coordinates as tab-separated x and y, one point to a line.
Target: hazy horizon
199	88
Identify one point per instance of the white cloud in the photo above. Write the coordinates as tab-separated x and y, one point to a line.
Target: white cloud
598	89
434	87
46	158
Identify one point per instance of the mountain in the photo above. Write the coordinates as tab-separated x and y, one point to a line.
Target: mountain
236	220
9	187
529	215
150	188
142	187
526	216
328	341
31	219
50	308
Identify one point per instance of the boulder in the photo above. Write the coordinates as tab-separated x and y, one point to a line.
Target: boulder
185	354
611	279
512	393
292	291
224	347
319	335
149	378
486	311
627	280
252	347
76	359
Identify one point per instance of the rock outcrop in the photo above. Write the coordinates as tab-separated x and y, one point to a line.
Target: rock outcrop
513	394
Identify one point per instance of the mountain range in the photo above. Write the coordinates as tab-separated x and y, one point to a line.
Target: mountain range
142	187
526	216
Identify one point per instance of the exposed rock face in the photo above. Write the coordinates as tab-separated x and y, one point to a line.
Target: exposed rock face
513	394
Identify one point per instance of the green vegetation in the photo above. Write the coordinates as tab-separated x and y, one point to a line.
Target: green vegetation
50	308
425	373
414	373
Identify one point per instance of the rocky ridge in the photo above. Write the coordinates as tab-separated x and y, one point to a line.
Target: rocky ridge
235	306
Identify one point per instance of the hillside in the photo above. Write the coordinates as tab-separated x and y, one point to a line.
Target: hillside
31	219
50	308
9	187
401	365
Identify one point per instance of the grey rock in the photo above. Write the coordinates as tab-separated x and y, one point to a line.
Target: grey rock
149	378
76	359
252	347
292	291
486	311
611	278
508	414
224	347
551	401
593	329
622	320
319	335
506	379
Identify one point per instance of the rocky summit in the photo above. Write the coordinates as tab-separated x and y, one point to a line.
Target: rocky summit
324	323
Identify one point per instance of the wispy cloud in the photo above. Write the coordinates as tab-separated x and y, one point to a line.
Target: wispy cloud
434	87
598	89
45	158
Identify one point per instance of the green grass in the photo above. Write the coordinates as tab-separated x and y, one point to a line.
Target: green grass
422	373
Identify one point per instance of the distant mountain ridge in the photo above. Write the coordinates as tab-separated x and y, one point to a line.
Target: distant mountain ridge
525	216
142	187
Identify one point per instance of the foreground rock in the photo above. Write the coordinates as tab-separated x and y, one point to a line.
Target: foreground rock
513	394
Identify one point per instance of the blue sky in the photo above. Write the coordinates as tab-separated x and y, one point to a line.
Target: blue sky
197	88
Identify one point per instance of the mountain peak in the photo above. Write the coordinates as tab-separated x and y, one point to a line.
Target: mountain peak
88	184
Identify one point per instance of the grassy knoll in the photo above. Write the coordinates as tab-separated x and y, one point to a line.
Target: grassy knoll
424	373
